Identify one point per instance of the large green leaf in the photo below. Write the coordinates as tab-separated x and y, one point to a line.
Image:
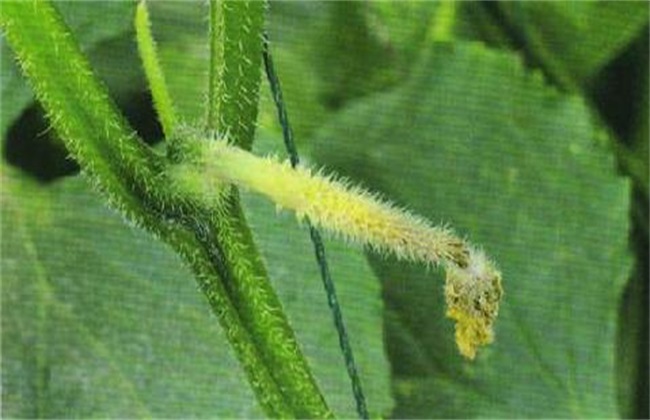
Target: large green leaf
475	140
574	40
100	319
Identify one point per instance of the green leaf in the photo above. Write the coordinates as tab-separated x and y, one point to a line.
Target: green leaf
405	27
572	41
474	140
350	60
100	319
15	95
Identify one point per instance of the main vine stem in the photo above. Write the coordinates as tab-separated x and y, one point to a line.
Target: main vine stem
216	246
232	106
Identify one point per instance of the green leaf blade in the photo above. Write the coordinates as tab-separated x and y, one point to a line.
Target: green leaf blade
573	41
473	140
113	317
121	329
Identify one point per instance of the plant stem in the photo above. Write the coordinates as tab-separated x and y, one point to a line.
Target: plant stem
234	78
79	107
147	48
234	74
216	49
133	178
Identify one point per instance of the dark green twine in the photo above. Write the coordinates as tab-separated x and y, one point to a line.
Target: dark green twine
319	249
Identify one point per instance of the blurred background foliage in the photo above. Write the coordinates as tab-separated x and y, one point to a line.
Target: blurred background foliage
522	124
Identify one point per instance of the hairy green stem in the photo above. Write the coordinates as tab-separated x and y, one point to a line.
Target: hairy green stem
245	279
234	74
233	90
133	178
216	50
79	107
147	48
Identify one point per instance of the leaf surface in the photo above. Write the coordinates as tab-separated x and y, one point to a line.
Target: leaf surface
98	318
474	140
574	40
